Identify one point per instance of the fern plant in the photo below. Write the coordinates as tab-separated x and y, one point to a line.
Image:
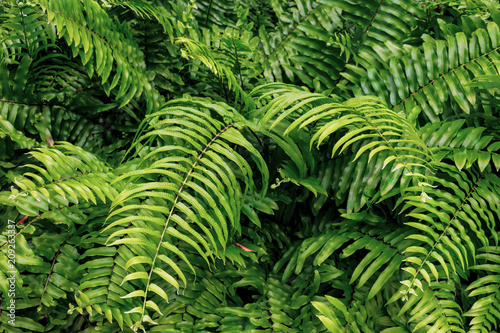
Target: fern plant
230	166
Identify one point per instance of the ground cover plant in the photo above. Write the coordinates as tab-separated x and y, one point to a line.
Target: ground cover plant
249	166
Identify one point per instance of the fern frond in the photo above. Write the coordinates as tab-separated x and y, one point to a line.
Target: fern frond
434	307
25	34
38	95
337	317
367	117
194	196
68	175
47	264
488	96
290	49
62	276
380	30
7	129
19	108
352	122
10	268
199	51
485	310
436	78
159	55
148	10
384	256
227	13
14	88
465	146
102	291
453	220
103	48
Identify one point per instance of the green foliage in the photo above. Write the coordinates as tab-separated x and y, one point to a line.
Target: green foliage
247	166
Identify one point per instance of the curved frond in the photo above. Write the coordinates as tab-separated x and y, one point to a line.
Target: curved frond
25	33
364	125
436	77
64	175
195	198
103	48
148	10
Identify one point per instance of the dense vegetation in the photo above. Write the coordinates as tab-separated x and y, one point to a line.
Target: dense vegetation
250	165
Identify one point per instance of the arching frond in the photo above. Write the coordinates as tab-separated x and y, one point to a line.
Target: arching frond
103	48
63	175
436	77
381	31
195	198
387	135
290	47
148	10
